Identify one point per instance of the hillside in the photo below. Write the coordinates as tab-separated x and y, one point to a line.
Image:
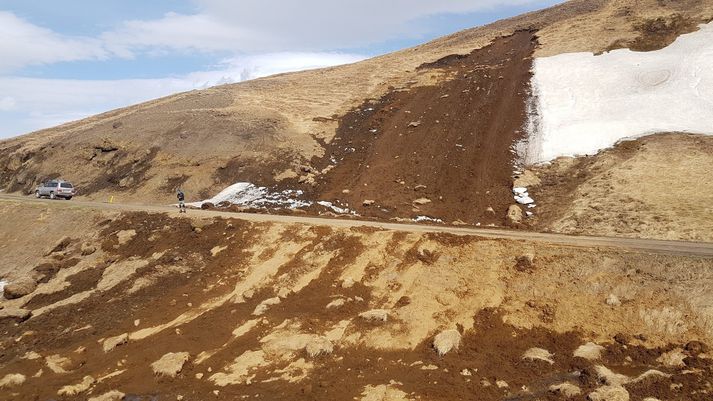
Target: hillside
458	107
591	118
141	305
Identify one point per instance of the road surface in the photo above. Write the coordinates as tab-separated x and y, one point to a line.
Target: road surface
688	248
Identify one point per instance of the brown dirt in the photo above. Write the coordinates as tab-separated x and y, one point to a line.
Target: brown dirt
427	282
657	33
449	143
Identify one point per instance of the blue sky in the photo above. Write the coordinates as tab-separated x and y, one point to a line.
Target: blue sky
65	60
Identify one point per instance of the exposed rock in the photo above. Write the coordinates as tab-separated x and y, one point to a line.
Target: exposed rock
414	124
446	341
11	380
589	351
538	354
113	342
19	288
170	364
419	187
502	384
336	303
609	393
514	215
421	201
375	315
566	389
15	313
348	283
368	202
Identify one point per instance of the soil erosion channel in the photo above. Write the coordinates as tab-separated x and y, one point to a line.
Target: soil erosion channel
442	151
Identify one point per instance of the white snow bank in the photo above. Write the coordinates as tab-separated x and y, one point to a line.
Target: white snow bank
250	195
584	103
421	219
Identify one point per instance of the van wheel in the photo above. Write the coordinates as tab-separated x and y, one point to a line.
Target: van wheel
52	195
37	194
68	198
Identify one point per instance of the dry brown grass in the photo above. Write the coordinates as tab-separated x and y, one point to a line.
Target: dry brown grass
654	187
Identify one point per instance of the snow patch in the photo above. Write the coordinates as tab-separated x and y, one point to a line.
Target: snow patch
523	197
251	195
421	219
582	103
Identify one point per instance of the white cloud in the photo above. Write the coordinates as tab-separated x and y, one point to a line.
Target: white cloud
7	103
29	104
23	44
257	26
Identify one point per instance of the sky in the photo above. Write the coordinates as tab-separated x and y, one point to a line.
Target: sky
62	60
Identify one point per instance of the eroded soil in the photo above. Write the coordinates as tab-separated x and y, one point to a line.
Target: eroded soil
276	311
442	151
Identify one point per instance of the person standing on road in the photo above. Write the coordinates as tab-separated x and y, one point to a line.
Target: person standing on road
181	201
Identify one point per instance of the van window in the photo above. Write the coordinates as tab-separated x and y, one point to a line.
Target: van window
65	185
52	184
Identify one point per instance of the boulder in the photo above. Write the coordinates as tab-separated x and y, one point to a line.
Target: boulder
88	249
514	216
446	341
368	202
170	364
20	288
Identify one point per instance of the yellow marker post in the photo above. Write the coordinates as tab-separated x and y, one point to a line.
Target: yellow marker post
111	199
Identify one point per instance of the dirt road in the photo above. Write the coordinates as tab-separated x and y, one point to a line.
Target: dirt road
633	244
